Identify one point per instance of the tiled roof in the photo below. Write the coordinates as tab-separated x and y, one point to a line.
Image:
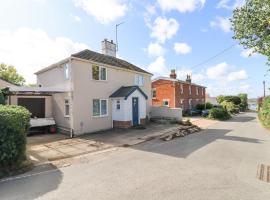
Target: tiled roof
126	91
109	60
177	80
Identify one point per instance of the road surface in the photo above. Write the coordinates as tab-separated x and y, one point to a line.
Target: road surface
218	163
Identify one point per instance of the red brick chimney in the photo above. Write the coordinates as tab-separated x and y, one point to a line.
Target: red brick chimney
173	74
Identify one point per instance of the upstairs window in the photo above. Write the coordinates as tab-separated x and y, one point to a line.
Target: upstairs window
66	108
99	73
181	89
197	91
202	91
154	93
67	71
139	80
189	89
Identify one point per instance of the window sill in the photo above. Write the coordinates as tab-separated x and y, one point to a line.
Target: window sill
100	80
67	116
100	116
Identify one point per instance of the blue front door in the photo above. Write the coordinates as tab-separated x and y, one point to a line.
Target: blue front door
135	111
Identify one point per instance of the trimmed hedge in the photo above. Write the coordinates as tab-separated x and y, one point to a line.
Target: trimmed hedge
264	112
219	113
14	125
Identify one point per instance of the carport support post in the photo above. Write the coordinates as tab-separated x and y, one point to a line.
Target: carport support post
71	115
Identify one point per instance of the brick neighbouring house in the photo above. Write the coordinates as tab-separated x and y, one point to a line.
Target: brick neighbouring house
176	93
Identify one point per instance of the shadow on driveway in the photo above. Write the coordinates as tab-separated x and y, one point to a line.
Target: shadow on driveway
41	180
183	147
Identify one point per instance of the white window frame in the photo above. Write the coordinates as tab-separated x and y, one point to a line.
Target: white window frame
190	102
67	71
118	103
67	103
202	91
99	73
100	115
190	89
182	101
181	89
164	100
139	80
197	90
154	89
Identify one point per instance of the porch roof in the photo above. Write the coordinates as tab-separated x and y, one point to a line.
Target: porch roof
125	91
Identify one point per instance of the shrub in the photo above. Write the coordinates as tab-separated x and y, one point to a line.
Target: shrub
2	98
230	107
208	105
219	113
264	112
200	106
234	99
14	124
244	101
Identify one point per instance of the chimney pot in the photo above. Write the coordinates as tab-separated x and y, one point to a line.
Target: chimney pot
173	74
188	78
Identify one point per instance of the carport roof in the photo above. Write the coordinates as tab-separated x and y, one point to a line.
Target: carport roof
23	89
124	92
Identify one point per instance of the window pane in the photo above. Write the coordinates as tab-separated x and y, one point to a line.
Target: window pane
67	110
96	107
103	107
118	105
103	74
95	72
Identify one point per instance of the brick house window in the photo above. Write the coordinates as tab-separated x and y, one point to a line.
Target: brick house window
189	89
99	73
165	102
181	89
181	101
154	93
197	91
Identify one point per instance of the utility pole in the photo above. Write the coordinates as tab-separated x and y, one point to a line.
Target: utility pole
263	88
116	34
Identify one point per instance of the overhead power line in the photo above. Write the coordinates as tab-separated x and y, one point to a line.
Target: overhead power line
213	57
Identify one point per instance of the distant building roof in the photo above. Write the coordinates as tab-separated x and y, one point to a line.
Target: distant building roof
124	92
101	58
176	80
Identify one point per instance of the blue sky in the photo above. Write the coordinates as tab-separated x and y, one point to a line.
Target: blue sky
158	35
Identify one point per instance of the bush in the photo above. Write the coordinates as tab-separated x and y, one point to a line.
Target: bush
244	102
234	99
230	107
2	98
219	113
203	106
264	112
14	124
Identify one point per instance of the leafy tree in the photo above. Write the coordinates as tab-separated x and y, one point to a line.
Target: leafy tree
10	74
251	26
244	101
234	99
220	99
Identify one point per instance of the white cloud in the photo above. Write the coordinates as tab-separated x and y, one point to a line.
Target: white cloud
105	11
164	29
76	18
230	4
223	73
222	23
158	67
32	49
181	5
155	49
247	53
218	72
182	48
237	75
198	77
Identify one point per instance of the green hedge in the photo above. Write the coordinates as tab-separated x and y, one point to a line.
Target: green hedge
14	125
264	112
203	106
219	113
2	98
230	107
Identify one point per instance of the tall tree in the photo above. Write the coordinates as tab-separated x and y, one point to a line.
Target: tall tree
251	26
10	74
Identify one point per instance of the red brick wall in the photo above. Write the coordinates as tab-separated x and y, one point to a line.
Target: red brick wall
122	124
164	90
167	89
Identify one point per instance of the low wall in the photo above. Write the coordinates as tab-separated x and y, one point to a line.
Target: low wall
166	112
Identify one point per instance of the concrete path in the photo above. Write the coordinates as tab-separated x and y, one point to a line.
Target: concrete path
223	162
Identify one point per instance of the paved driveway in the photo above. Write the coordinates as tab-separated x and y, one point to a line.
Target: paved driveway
223	162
